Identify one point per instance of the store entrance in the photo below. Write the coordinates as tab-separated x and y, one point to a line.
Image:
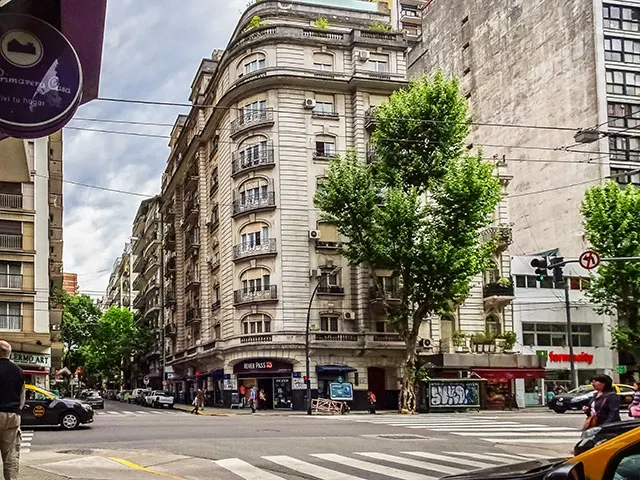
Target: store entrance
266	385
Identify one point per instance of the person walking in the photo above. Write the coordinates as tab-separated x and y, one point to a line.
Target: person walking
634	408
198	402
604	407
12	399
243	395
262	400
371	397
252	398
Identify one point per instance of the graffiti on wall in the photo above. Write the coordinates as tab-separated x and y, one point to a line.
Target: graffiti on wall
454	394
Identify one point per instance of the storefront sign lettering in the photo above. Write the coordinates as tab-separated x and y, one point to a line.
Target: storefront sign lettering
454	394
258	366
24	359
40	77
263	366
564	357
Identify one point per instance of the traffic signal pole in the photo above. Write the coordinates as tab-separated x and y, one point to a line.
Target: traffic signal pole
572	362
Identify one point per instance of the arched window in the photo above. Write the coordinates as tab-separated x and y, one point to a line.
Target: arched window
252	63
256	323
493	324
254	236
323	61
255	281
252	152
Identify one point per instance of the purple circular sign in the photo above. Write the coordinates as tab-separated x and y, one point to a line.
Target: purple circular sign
40	77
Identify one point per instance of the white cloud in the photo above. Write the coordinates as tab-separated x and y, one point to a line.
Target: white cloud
152	50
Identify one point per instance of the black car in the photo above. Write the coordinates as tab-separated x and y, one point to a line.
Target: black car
44	408
94	399
581	396
529	470
596	436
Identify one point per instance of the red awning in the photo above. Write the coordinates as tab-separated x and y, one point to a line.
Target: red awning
504	374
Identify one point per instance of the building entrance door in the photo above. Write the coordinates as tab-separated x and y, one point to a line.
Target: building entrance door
377	385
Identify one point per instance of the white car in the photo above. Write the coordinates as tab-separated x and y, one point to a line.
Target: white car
160	399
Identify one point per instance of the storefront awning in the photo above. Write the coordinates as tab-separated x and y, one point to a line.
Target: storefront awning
509	373
334	369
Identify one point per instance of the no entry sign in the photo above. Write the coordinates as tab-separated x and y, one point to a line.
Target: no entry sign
589	260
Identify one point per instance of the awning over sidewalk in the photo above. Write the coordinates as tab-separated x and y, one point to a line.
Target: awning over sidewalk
505	374
334	369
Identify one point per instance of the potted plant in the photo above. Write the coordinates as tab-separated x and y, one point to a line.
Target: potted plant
459	338
484	342
504	282
509	339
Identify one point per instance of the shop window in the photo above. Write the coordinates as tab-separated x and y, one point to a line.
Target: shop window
329	323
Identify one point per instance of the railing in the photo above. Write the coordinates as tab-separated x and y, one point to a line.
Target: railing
192	281
191	243
317	114
254	203
392	294
242	296
8	200
335	337
387	338
170	298
251	118
379	36
406	12
324	156
10	241
331	290
191	182
10	322
244	251
264	158
370	118
497	290
322	34
327	244
215	305
193	315
140	264
11	280
502	233
256	339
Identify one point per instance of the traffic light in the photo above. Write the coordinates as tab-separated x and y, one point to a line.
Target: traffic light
558	274
540	264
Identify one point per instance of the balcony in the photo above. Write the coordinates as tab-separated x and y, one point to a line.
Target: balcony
191	212
10	322
254	204
215	305
152	266
241	252
390	295
324	156
252	119
263	159
191	184
171	330
327	245
140	264
409	15
501	234
370	119
330	290
264	338
329	115
55	267
10	241
498	294
372	156
341	338
12	201
170	298
11	281
191	282
193	316
191	245
269	294
170	267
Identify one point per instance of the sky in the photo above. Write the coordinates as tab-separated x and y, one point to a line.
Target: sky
152	50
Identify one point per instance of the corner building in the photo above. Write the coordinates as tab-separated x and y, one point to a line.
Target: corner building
243	243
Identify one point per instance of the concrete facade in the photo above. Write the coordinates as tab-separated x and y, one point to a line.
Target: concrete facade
120	290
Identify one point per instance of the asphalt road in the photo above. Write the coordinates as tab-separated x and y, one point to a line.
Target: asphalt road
291	446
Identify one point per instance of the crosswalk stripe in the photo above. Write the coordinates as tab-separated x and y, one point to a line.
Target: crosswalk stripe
534	456
498	429
443	424
141	412
309	468
246	470
463	461
112	413
371	467
522	434
479	456
520	457
464	425
412	463
531	440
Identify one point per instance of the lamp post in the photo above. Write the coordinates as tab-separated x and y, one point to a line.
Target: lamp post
323	278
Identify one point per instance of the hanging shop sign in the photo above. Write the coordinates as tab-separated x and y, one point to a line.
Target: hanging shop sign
40	77
24	359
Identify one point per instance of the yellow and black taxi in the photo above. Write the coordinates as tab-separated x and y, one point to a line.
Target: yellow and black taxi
615	459
44	408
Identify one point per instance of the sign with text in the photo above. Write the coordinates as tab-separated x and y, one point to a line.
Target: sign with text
341	391
24	359
262	366
40	77
565	357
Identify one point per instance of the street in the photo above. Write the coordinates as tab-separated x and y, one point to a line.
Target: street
127	441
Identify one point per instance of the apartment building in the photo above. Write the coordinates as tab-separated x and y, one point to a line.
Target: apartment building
406	16
147	255
566	64
70	283
120	292
31	253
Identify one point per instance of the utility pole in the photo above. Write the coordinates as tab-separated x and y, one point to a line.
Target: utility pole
572	362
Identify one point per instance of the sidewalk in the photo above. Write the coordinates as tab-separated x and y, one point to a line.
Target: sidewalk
229	412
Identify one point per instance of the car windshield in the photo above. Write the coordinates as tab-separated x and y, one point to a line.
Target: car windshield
582	390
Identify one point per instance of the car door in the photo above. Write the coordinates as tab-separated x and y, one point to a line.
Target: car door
36	409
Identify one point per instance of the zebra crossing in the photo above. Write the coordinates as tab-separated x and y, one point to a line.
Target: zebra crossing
494	429
136	413
27	439
406	465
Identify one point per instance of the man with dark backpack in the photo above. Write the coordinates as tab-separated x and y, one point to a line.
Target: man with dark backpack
12	399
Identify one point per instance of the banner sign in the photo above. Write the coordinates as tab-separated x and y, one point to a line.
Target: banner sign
40	77
24	359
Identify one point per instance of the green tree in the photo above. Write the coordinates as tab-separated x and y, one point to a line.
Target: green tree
417	210
612	226
80	317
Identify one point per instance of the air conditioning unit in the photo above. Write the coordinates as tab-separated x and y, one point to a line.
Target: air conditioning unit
309	103
314	234
349	315
424	343
363	55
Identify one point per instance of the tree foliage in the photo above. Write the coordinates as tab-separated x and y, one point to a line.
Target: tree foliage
418	209
612	226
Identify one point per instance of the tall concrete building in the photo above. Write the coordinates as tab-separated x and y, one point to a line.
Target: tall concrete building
31	253
567	64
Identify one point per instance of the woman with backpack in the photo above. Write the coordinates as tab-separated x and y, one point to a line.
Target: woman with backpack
604	406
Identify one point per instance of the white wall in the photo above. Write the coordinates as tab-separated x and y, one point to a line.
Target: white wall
41	234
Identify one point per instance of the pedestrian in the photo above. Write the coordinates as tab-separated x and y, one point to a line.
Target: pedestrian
262	400
12	399
198	402
634	408
604	407
243	397
252	398
371	397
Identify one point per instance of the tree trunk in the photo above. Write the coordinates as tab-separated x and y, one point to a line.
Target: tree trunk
407	400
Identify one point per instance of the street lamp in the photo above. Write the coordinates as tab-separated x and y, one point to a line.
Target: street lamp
323	278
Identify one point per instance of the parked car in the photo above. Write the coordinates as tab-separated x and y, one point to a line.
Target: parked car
138	396
617	459
94	399
581	396
595	436
160	399
123	395
44	408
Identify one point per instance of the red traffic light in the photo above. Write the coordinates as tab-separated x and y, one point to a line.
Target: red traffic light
305	378
79	371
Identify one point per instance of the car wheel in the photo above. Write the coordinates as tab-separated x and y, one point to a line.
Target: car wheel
69	421
559	410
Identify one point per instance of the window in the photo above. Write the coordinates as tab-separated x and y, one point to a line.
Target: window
521	281
11	275
574	283
253	194
258	284
329	324
532	281
623	115
255	239
555	335
582	335
623	83
621	50
547	282
492	324
323	61
324	108
624	149
621	18
625	176
253	154
7	227
251	111
378	63
253	65
10	316
325	147
256	324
